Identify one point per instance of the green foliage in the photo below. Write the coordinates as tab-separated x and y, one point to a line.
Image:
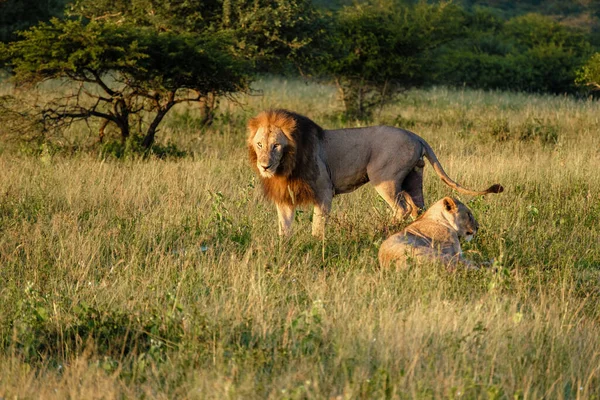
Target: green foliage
165	14
270	33
589	74
510	8
530	52
18	15
87	52
122	70
275	34
380	47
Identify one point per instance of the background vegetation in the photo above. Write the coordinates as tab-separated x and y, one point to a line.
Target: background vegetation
372	50
156	271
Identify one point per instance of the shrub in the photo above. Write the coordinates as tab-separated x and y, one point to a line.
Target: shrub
381	47
531	52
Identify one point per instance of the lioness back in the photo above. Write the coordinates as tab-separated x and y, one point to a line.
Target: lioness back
433	236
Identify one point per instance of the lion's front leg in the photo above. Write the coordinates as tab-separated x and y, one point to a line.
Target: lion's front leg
324	189
320	214
285	213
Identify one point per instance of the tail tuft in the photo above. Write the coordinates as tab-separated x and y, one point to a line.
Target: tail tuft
495	188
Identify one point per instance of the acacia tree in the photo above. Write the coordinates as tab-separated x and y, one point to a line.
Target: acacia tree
266	32
271	35
120	71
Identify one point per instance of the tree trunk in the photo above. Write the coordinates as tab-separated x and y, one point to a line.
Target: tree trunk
208	107
152	129
121	112
123	125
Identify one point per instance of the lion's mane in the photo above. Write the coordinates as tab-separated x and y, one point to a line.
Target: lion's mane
294	180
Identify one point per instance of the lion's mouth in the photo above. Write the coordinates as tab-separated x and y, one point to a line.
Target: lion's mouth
267	171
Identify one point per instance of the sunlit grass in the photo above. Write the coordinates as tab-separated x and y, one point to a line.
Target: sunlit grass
166	278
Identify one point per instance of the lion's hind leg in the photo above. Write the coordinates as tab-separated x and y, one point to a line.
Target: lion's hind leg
401	202
413	186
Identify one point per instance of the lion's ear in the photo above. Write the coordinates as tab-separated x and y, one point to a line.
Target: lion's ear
450	205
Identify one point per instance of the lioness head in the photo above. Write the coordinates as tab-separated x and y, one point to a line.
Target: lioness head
460	217
270	143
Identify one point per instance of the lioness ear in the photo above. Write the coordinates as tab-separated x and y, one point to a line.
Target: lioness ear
449	204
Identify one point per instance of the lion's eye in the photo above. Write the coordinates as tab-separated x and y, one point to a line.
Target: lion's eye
259	145
276	145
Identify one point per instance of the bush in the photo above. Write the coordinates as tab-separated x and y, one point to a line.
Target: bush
531	53
589	74
381	47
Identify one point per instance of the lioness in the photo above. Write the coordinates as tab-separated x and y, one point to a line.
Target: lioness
300	163
433	236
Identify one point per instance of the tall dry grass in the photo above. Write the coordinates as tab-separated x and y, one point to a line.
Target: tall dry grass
166	279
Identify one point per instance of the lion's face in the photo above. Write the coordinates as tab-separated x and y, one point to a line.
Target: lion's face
461	218
269	144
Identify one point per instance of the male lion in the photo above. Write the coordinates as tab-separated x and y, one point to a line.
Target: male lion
433	236
300	163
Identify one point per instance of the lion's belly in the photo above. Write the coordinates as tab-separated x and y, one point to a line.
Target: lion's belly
347	158
349	184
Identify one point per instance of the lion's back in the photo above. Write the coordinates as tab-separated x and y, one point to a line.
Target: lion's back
355	155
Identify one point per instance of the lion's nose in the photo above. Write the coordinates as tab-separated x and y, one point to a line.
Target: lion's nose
265	167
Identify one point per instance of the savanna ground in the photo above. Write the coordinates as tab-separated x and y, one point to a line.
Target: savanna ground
166	278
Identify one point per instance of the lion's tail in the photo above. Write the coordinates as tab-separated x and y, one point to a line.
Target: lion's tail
435	163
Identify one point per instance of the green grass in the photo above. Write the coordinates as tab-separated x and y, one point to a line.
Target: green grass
166	278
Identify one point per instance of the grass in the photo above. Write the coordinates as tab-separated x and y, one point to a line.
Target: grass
166	278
